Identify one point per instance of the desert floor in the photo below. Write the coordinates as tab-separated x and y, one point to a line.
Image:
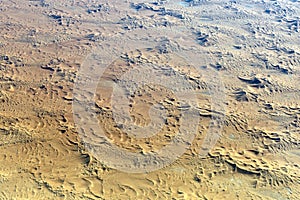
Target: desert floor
218	79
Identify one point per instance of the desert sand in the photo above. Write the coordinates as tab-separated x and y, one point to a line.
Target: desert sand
224	75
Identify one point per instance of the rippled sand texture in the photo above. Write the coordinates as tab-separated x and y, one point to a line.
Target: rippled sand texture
253	47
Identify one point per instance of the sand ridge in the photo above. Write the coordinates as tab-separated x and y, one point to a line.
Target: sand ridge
252	45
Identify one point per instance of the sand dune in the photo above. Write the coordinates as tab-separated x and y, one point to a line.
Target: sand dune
223	75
